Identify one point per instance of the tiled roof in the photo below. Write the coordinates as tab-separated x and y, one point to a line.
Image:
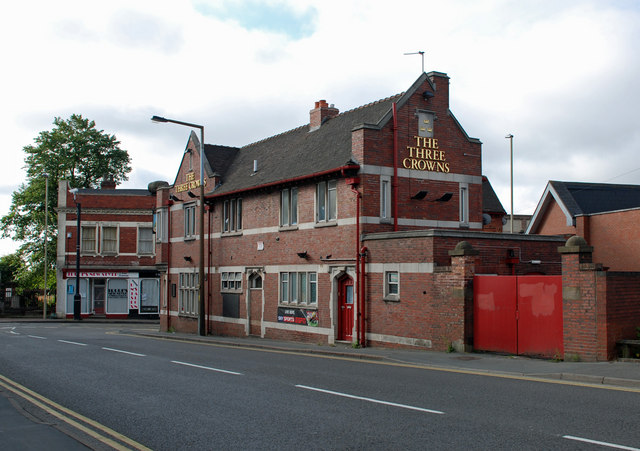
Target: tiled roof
293	154
490	201
581	198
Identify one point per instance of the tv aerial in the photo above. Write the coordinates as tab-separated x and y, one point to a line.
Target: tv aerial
421	53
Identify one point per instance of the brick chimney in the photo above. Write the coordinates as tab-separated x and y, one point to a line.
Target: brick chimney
108	183
320	113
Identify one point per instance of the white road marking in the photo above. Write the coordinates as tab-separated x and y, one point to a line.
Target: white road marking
124	352
377	401
35	336
206	368
72	343
595	442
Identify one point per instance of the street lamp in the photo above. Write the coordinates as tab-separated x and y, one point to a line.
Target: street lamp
201	318
510	138
77	297
46	223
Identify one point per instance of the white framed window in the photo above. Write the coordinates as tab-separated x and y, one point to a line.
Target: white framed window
231	281
160	222
190	220
464	204
109	244
385	197
88	239
289	207
188	294
391	285
146	243
326	201
232	215
299	288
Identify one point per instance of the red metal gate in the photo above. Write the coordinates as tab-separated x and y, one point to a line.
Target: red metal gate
518	314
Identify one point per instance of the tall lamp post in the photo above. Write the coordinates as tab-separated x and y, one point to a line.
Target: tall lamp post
201	317
510	138
46	224
77	297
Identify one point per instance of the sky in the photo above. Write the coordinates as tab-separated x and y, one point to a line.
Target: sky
562	76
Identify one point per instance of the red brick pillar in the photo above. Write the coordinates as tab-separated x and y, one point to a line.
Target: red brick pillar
463	269
583	303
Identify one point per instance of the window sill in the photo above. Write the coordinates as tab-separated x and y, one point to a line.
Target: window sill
231	291
304	306
391	298
190	238
287	228
188	315
386	220
228	234
326	224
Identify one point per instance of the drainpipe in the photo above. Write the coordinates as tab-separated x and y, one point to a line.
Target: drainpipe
360	316
361	298
394	182
169	204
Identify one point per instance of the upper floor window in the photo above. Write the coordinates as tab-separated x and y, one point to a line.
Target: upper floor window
109	240
145	240
160	220
326	201
464	205
385	197
289	207
88	239
232	215
190	220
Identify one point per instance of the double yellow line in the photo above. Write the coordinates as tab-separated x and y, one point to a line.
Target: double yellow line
92	428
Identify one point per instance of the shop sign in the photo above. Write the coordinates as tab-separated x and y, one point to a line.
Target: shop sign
426	155
98	274
304	317
134	294
190	183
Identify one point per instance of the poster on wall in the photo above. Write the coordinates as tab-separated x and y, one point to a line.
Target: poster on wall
299	316
134	294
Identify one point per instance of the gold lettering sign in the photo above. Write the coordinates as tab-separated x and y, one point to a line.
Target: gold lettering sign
426	156
190	183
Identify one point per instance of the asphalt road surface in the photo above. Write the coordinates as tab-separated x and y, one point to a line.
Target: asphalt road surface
166	394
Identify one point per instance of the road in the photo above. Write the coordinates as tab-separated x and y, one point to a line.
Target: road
167	394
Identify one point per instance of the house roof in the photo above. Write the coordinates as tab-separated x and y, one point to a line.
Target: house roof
293	154
302	152
490	201
582	198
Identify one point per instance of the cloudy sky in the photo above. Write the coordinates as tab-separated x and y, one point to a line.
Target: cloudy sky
562	76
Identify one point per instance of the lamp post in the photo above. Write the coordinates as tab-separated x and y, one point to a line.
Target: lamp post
77	297
46	223
201	317
510	138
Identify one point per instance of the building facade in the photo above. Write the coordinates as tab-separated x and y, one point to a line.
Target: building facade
286	218
118	277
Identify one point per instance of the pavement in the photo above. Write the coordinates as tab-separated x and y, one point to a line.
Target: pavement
619	374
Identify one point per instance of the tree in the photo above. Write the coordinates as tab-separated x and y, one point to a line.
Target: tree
73	150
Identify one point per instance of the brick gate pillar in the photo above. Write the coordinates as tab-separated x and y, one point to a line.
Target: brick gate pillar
463	269
583	302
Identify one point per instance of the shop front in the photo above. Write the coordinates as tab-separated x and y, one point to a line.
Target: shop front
110	294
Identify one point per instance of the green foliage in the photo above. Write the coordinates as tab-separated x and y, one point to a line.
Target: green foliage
73	150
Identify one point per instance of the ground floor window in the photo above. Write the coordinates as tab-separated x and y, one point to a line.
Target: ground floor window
188	298
117	296
298	288
391	285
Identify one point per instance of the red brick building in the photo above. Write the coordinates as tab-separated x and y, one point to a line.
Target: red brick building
118	273
289	221
605	215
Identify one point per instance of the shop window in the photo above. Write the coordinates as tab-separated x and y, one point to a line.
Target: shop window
232	215
149	295
145	241
88	240
109	245
298	288
231	281
326	201
289	207
190	221
391	286
117	296
188	294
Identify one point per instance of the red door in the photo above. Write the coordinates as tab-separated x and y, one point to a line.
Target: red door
345	308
